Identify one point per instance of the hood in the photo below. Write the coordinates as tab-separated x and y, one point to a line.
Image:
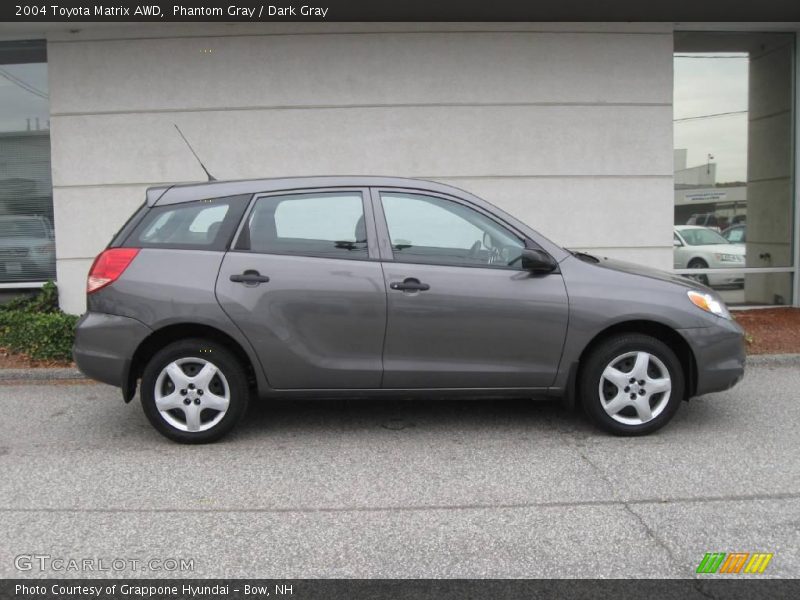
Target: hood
634	269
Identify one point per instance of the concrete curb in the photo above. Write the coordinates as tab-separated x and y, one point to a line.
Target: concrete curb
40	374
775	360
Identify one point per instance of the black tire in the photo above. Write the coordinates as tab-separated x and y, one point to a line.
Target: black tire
698	263
590	378
201	351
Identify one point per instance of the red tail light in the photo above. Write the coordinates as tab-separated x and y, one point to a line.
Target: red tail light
108	266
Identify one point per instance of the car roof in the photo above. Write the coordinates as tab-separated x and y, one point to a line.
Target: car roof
187	192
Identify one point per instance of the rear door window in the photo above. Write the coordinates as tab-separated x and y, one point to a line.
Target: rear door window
324	224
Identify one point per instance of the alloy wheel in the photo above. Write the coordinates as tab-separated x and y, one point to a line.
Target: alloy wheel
635	388
192	394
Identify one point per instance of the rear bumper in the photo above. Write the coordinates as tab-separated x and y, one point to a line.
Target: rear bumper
719	352
104	346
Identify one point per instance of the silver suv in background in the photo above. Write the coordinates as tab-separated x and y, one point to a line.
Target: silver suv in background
27	248
216	293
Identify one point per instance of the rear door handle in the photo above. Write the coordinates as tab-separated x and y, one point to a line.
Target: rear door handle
410	284
250	277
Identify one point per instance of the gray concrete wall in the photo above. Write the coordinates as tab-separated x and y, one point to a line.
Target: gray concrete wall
567	126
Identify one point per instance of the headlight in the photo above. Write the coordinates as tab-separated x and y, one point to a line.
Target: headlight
709	303
737	258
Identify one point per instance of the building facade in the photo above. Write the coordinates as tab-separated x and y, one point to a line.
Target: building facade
568	126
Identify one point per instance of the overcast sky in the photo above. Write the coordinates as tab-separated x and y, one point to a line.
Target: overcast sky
18	103
705	86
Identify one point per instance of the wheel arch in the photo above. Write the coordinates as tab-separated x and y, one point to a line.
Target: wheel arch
702	259
178	331
664	333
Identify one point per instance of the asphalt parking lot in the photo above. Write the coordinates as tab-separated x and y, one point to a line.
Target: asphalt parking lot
403	489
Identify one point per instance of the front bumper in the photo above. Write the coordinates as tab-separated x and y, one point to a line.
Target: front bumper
719	353
104	346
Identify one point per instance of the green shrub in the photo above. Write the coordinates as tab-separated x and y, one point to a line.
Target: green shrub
45	300
35	326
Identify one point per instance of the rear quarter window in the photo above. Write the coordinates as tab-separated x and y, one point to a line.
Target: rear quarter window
204	224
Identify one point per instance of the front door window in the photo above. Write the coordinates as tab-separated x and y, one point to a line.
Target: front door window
432	230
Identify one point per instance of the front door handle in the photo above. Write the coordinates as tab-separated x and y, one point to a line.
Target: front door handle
250	277
410	284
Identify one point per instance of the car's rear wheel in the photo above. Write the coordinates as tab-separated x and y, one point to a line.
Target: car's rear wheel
631	384
194	391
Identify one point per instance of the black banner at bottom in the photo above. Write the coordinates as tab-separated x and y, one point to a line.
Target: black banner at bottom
396	589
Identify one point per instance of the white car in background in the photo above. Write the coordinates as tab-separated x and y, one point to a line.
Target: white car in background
698	247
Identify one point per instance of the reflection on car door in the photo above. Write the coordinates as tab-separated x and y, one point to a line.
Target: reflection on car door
458	314
304	284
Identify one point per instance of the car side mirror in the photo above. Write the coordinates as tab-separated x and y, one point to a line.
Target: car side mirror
676	243
537	261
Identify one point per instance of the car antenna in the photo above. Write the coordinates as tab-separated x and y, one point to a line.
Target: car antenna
210	176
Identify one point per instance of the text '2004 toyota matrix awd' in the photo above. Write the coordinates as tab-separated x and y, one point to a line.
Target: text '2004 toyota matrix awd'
214	293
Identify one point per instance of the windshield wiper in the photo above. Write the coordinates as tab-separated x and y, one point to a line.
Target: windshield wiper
584	256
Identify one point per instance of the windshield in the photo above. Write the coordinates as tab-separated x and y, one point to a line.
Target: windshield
702	237
22	228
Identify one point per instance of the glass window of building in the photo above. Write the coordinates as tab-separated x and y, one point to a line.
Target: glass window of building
734	200
27	240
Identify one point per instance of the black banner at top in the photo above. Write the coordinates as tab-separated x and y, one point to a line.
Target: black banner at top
401	10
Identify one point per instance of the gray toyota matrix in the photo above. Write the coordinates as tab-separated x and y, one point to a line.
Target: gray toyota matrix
215	293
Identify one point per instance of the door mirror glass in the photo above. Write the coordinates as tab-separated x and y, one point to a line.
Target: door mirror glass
537	261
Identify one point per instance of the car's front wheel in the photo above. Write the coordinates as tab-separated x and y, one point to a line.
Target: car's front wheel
194	391
631	384
698	263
